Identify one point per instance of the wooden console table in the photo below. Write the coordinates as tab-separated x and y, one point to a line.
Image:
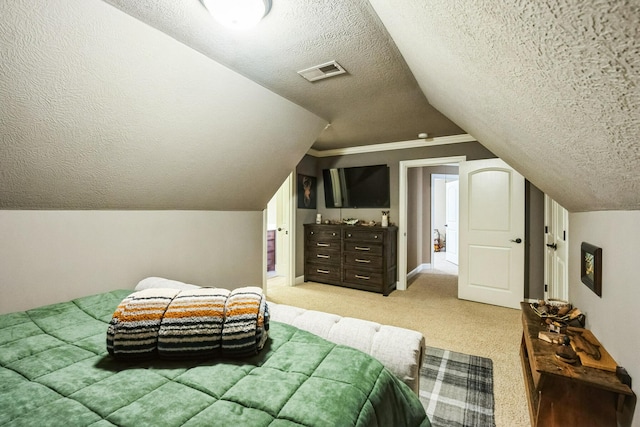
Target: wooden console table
560	394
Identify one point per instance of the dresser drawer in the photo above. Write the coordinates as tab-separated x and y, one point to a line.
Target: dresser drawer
326	245
364	235
371	249
323	255
363	260
362	278
322	233
323	273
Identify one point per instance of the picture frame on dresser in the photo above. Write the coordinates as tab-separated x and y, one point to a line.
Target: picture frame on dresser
591	267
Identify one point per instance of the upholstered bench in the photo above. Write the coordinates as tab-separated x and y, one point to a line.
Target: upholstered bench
400	350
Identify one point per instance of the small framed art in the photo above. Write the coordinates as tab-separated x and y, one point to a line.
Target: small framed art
306	192
591	267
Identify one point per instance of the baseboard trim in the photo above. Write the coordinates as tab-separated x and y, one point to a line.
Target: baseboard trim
418	270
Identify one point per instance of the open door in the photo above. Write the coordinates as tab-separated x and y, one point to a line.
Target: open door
491	250
283	218
283	223
556	260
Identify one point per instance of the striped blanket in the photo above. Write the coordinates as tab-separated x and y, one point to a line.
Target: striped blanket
201	322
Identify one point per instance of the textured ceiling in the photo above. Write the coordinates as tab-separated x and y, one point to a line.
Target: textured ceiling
552	87
377	101
101	111
151	105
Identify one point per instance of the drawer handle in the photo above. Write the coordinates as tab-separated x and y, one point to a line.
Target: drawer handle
363	261
323	256
362	277
360	248
322	271
323	245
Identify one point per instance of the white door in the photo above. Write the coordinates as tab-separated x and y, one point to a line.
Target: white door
451	215
283	222
491	251
556	224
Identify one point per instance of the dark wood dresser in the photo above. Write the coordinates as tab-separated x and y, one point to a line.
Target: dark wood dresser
353	256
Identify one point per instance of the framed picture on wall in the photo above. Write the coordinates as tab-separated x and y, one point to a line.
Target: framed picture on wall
306	192
591	267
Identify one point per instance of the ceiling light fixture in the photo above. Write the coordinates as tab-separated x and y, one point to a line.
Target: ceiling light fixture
423	135
238	14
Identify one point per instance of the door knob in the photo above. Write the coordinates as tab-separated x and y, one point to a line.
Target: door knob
553	246
518	240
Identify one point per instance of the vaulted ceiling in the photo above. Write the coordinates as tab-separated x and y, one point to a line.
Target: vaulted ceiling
152	105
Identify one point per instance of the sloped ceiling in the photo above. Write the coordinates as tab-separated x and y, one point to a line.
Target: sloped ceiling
101	111
378	100
150	105
552	87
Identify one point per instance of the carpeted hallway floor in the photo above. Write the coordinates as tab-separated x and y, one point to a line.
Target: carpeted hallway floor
430	306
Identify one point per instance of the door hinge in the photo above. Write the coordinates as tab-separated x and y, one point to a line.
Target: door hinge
564	235
546	229
546	287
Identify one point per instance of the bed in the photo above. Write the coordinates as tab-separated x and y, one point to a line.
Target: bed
55	370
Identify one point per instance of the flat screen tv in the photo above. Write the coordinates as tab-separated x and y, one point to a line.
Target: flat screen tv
357	187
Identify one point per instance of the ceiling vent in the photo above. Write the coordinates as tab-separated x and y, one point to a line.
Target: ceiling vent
322	71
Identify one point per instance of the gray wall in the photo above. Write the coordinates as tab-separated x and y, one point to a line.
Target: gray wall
307	166
472	150
534	240
53	256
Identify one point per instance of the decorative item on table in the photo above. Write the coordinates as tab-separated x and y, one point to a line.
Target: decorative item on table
351	221
552	337
318	218
385	219
558	313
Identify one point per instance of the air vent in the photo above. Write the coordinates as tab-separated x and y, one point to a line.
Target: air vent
322	71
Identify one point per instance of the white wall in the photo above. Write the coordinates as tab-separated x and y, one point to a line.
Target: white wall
52	256
439	206
614	318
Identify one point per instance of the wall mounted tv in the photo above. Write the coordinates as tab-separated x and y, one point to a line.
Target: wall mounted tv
357	187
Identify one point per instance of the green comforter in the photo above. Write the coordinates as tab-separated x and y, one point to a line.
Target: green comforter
55	370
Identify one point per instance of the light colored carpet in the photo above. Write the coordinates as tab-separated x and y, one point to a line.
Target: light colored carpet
430	306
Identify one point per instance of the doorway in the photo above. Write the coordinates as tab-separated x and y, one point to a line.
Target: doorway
405	167
279	236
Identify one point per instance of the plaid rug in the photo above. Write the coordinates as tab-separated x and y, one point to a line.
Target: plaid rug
456	389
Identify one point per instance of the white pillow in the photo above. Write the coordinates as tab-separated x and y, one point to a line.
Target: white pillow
159	282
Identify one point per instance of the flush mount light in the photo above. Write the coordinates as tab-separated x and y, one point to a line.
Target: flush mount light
238	14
